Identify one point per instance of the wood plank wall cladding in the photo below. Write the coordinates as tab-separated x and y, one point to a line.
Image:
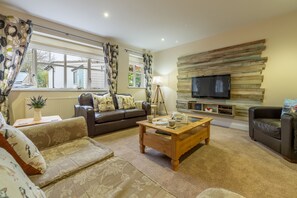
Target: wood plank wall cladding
244	62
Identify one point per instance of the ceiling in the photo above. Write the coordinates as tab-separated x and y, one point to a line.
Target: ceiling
143	23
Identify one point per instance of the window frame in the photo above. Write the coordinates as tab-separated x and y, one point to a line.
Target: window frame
34	47
134	73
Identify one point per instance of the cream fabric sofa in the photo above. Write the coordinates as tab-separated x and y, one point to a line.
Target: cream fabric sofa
78	166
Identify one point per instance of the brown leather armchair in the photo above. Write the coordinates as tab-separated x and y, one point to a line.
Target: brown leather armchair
266	125
104	122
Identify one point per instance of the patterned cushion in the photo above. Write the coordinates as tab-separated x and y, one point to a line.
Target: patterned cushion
138	104
290	106
95	100
125	102
113	177
2	120
22	149
14	182
105	103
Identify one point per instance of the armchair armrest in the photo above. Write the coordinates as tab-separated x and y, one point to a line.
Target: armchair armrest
88	113
54	133
262	112
287	135
147	107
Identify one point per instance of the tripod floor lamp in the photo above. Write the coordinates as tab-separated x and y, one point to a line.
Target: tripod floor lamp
158	99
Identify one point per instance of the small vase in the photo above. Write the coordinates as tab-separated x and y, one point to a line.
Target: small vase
37	114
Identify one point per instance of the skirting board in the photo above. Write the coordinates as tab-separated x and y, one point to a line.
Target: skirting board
228	122
224	121
234	124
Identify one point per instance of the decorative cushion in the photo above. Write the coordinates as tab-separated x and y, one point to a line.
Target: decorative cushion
138	104
22	149
105	103
126	102
2	120
95	100
290	106
14	182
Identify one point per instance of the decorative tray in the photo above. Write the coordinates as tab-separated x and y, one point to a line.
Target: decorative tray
161	122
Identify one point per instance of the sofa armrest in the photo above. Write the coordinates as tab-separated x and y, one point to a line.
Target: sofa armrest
262	112
88	113
146	107
54	133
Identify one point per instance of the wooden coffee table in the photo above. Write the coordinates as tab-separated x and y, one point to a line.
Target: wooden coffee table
174	142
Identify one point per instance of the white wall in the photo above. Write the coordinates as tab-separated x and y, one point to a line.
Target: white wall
281	68
17	99
123	87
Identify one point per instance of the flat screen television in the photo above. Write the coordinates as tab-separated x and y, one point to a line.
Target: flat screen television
211	86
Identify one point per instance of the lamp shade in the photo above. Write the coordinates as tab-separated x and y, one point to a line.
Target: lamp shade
157	80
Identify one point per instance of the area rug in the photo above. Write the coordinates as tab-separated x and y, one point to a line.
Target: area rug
231	161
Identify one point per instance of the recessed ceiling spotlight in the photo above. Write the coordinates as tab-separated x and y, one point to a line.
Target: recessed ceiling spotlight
105	14
176	41
162	39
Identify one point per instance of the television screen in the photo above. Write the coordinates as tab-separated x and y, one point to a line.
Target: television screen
211	86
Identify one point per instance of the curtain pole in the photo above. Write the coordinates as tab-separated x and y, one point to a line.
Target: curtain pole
136	52
67	34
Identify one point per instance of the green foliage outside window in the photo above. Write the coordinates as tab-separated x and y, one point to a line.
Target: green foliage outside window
131	79
42	78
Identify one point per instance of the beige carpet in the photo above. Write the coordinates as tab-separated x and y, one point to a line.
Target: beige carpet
231	161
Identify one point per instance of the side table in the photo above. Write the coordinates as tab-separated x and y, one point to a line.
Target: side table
30	121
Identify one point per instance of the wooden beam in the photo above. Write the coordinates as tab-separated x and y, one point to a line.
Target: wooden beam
224	56
191	68
225	49
222	70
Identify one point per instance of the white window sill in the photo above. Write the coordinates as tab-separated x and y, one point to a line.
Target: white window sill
136	87
57	90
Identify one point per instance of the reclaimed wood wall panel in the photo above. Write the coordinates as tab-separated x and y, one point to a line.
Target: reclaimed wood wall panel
244	62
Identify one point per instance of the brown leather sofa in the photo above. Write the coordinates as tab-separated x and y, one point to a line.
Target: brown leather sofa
266	125
104	122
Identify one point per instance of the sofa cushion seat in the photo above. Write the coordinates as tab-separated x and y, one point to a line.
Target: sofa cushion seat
108	116
271	127
132	113
65	159
113	177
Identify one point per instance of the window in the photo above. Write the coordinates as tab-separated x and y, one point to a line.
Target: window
50	69
78	68
136	77
54	66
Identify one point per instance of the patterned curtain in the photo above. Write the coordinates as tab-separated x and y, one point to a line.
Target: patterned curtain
15	35
111	53
148	59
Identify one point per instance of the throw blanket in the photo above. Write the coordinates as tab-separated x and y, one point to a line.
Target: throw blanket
294	115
